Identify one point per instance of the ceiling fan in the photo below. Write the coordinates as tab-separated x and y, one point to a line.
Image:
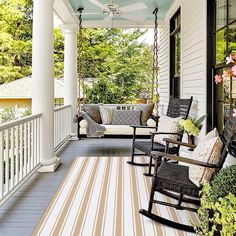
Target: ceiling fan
112	10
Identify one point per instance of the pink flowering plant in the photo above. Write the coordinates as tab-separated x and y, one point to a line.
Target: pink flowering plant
230	72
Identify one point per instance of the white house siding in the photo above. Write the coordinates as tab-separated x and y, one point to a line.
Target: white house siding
193	54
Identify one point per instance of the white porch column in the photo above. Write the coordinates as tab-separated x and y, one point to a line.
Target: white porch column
43	80
70	71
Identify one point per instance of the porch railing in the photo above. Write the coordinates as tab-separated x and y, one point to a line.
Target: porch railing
62	125
19	152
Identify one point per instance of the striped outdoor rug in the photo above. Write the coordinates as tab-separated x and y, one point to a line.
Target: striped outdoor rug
102	196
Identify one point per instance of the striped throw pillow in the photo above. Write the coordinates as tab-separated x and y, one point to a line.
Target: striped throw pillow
106	114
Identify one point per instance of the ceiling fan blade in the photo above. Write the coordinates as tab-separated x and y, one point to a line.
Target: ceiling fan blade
133	7
86	13
133	18
98	4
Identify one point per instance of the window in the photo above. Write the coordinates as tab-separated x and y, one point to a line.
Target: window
175	51
225	29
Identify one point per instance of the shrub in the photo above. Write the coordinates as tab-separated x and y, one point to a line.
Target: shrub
217	217
8	114
217	212
11	113
26	112
224	182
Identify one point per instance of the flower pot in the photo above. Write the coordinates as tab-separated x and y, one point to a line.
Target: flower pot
191	141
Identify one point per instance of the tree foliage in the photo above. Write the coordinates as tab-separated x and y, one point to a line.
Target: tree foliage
121	65
15	39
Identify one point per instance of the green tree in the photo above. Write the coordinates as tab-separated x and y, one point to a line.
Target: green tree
58	53
15	39
115	58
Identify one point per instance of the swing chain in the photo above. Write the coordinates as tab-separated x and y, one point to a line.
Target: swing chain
80	62
155	56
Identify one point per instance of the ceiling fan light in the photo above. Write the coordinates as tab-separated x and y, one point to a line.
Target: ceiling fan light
111	14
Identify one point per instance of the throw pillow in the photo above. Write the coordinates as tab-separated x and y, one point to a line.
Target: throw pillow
121	117
208	150
146	112
151	122
93	111
170	125
212	134
106	114
214	159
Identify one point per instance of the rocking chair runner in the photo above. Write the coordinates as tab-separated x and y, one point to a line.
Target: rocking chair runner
176	108
175	177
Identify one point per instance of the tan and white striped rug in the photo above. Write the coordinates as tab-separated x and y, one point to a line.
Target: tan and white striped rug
102	196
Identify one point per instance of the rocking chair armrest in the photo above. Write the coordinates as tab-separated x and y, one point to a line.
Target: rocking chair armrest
168	140
143	126
156	155
156	133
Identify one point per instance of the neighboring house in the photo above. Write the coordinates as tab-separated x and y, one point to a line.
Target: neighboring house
18	93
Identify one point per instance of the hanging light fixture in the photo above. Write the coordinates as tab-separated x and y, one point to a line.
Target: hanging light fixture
111	14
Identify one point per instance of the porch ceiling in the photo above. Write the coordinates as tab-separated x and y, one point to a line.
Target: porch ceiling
139	14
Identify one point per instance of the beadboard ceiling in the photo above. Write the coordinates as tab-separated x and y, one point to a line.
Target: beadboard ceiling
133	13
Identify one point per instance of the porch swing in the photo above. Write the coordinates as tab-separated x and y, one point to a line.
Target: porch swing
81	101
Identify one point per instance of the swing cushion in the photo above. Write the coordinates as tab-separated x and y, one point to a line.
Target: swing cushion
126	117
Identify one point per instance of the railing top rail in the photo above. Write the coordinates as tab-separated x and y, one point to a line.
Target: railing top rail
61	108
11	124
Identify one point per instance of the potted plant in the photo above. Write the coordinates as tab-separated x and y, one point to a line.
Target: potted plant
192	127
217	212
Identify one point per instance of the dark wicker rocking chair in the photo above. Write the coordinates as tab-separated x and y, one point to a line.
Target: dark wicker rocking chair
174	177
176	108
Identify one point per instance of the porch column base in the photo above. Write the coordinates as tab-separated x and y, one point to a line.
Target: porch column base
51	167
73	137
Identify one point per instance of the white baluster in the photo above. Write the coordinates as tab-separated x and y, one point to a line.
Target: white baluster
21	150
17	154
7	162
12	158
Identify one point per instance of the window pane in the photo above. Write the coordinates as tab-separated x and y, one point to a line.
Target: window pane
220	46
221	9
232	38
232	10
